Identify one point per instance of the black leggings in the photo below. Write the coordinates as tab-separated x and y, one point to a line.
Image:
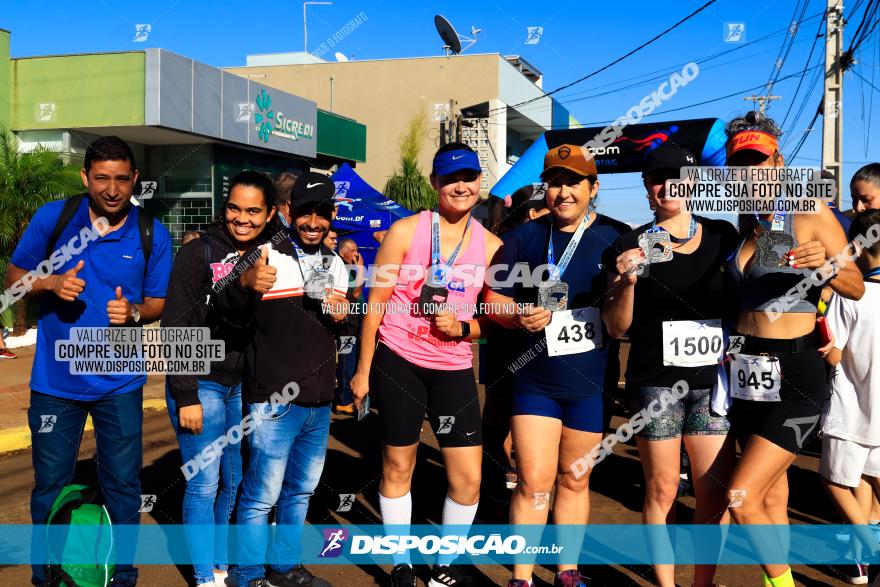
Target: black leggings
405	391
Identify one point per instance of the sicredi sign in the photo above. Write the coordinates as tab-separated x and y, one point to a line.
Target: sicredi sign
186	95
268	121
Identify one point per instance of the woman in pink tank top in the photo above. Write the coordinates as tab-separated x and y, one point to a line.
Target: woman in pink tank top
416	350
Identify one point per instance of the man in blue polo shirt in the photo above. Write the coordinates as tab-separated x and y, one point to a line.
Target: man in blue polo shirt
103	281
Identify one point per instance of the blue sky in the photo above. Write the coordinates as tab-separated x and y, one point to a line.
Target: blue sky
578	37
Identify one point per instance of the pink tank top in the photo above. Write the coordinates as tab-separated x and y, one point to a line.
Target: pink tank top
412	336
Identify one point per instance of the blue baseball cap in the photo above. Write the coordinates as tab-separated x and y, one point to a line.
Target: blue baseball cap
448	162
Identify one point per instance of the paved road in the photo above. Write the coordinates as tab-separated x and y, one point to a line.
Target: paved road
352	467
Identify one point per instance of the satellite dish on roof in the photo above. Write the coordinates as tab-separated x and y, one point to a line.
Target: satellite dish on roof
340	56
451	39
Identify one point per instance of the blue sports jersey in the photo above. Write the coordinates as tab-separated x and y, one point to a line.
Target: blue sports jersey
115	259
579	375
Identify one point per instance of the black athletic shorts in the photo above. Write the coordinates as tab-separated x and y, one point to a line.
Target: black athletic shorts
794	420
404	392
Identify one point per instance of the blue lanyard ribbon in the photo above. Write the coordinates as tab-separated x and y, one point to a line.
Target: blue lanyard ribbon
776	225
440	273
556	270
692	231
872	273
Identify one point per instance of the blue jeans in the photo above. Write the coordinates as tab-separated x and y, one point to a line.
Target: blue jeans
118	421
202	504
285	458
345	370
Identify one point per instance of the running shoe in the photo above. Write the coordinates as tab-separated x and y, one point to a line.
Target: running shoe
344	409
298	576
449	575
569	578
258	583
518	583
855	574
7	354
403	575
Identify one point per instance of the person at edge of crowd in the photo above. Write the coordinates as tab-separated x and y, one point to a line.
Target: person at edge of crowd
851	418
190	235
331	239
557	412
294	292
499	475
423	359
864	188
780	335
284	183
203	408
5	353
865	193
105	284
349	332
675	300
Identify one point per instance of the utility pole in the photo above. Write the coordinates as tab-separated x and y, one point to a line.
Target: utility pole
762	99
832	104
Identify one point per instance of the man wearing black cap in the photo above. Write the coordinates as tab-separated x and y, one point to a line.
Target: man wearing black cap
296	290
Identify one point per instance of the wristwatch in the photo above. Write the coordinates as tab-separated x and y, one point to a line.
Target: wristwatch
135	314
465	329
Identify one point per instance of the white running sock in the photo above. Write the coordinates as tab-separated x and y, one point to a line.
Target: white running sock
455	514
397	511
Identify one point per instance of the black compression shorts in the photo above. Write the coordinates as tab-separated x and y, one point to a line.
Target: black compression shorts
404	392
794	420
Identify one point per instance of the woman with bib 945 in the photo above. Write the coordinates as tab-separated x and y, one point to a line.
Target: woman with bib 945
777	375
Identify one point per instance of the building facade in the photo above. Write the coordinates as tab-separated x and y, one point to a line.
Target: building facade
386	94
192	126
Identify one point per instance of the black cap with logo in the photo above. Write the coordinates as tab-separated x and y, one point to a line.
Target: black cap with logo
669	155
312	189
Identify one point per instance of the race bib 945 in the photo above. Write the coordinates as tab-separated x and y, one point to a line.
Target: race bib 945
755	378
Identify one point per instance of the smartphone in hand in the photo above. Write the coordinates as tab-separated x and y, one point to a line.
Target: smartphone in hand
824	330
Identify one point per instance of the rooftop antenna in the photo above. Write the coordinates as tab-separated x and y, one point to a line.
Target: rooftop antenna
306	26
451	39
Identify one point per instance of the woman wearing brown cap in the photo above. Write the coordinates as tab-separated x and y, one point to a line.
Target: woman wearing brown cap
560	352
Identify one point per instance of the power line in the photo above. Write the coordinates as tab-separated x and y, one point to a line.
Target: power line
787	44
669	69
804	72
619	59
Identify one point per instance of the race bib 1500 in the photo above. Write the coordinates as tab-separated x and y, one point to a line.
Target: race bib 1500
692	343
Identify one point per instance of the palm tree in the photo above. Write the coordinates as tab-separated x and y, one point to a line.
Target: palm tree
27	181
408	187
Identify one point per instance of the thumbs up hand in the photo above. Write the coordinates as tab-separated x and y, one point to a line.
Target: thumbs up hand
68	286
261	276
118	309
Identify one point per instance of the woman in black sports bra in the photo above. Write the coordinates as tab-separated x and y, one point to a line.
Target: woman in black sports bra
777	377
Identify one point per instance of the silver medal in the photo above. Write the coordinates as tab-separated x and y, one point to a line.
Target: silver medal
772	247
319	286
553	296
657	246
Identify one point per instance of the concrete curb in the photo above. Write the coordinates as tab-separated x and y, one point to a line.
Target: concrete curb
19	438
